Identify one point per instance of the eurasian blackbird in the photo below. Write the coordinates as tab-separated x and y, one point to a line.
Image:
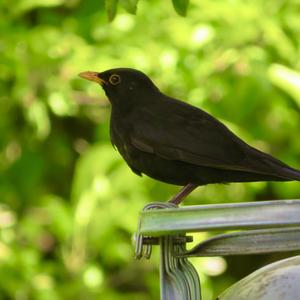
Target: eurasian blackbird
175	142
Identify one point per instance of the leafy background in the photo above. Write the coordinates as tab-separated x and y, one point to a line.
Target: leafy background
69	204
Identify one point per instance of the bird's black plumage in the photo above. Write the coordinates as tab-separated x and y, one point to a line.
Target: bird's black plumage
175	142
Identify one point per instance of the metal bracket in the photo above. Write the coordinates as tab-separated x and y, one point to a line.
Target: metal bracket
178	278
143	247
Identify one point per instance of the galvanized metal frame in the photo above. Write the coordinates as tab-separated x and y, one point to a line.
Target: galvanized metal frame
264	227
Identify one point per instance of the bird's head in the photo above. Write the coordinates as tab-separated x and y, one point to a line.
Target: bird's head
123	86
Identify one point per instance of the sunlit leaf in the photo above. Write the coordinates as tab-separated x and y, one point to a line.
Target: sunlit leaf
26	5
38	116
287	79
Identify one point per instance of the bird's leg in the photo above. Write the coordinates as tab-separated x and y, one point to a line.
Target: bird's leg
187	189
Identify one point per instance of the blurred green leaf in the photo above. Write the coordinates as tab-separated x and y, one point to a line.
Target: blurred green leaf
129	5
26	5
181	6
111	8
38	116
287	79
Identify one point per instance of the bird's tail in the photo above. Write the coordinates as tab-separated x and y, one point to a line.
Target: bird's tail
273	166
289	173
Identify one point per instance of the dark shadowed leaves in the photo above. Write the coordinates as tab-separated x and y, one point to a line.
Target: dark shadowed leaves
129	5
111	8
181	6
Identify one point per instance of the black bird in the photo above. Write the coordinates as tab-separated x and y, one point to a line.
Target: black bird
175	142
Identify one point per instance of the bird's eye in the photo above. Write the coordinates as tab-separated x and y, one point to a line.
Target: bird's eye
114	79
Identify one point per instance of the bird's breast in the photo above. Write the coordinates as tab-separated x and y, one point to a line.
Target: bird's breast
120	138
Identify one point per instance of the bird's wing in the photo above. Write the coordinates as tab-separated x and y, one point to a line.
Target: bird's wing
191	135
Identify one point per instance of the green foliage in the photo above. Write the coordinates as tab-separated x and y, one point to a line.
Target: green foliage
131	6
69	204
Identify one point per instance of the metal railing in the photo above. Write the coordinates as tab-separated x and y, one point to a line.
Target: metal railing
261	227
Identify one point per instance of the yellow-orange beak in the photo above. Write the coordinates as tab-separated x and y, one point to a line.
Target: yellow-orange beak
92	76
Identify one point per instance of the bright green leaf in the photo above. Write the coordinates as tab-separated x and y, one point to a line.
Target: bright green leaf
27	5
287	79
38	117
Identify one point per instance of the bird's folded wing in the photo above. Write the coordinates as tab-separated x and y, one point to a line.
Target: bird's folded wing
200	140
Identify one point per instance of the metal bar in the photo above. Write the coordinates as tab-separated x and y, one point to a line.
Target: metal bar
248	242
268	214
